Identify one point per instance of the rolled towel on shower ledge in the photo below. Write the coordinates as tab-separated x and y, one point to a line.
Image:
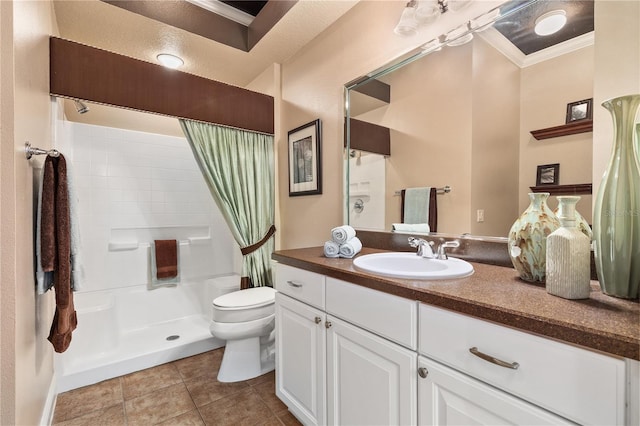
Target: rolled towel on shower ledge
342	234
350	248
331	249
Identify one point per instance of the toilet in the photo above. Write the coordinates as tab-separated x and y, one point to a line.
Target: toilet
246	320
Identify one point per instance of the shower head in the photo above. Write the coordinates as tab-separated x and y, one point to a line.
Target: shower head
80	106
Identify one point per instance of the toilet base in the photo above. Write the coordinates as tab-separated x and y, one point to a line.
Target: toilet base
245	359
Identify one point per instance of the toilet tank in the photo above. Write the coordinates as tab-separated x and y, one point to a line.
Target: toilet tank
217	287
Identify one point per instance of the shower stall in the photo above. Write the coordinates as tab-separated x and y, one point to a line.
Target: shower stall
133	188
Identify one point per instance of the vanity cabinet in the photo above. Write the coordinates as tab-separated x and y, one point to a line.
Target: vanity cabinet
301	359
448	397
347	354
583	386
330	371
370	380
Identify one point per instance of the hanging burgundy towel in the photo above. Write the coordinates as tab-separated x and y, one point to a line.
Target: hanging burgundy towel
166	259
55	240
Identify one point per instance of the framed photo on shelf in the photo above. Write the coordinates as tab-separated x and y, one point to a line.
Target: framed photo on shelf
548	174
305	160
580	110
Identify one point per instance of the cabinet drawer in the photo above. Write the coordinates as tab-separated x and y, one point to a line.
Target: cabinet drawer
581	385
393	317
302	285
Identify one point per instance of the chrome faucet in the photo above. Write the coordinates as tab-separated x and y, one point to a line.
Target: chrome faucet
441	253
424	247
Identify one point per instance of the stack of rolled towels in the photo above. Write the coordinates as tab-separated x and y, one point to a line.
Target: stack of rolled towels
343	243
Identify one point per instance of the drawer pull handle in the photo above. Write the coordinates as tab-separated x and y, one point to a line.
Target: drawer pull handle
423	372
496	361
294	284
318	320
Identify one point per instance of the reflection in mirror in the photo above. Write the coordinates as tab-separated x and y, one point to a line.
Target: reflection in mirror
460	115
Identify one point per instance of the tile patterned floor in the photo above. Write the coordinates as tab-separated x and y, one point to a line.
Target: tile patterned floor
183	392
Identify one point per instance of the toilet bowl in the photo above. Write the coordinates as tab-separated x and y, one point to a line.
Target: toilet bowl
246	320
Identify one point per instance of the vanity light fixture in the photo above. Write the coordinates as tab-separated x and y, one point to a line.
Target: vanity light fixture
455	37
422	12
550	22
407	25
170	61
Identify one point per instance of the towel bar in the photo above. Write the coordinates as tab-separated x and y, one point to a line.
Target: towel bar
444	190
30	151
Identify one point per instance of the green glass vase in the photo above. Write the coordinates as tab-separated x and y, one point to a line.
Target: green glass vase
616	215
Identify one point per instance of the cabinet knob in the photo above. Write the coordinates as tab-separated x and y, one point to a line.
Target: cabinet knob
327	324
423	372
318	320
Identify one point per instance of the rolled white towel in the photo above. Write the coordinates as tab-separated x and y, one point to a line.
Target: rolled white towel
410	227
342	234
331	249
350	248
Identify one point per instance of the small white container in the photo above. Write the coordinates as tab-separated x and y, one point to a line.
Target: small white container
568	255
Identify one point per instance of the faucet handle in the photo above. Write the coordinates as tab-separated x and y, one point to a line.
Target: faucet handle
442	254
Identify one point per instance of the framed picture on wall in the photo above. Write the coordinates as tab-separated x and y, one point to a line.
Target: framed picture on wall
305	161
548	174
580	110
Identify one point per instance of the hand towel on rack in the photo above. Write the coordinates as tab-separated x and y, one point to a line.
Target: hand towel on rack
44	280
331	249
350	248
419	205
342	234
56	248
164	263
410	227
77	268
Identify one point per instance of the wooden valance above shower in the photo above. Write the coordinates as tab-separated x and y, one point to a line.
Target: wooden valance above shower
83	72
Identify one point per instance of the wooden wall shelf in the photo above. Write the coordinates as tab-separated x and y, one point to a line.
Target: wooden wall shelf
582	126
580	188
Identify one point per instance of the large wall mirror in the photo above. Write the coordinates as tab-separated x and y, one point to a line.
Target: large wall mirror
458	113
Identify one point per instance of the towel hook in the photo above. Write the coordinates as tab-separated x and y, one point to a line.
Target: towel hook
30	151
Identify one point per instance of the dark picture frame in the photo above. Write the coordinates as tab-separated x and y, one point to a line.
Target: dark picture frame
548	174
580	110
305	159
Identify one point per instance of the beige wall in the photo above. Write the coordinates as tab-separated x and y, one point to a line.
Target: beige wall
312	87
495	127
27	362
431	131
546	90
617	71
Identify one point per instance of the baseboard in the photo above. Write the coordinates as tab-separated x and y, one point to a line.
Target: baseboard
50	404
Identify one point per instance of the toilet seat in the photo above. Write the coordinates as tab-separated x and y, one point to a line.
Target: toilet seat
244	305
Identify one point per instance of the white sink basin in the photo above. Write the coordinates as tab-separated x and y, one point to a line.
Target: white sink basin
412	266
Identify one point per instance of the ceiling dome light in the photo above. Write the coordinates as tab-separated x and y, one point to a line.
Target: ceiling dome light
170	61
550	22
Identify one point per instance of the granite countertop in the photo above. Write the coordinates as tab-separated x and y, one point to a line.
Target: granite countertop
495	293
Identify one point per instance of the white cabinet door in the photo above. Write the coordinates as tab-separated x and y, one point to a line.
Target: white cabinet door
370	380
447	397
301	359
